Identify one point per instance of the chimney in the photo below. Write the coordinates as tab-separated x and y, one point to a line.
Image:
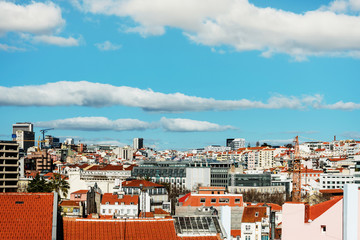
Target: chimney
335	138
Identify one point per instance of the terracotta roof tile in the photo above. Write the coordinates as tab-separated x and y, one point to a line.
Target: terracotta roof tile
317	210
136	183
26	215
253	214
80	192
112	198
136	229
69	203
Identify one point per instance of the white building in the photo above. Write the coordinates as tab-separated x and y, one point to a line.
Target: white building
335	180
104	176
255	224
119	205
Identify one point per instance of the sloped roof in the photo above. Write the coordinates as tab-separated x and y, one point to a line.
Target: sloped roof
69	203
183	199
235	233
317	210
80	192
113	198
26	215
136	183
139	229
253	214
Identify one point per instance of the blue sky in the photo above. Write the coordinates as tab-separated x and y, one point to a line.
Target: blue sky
181	74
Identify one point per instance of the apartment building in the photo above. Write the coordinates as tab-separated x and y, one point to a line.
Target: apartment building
9	166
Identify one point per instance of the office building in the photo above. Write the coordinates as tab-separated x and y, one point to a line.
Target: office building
23	134
235	143
9	166
138	143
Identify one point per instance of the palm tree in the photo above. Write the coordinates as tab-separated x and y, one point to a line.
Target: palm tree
59	184
38	184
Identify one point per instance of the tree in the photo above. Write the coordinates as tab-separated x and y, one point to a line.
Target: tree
265	145
59	184
289	145
38	184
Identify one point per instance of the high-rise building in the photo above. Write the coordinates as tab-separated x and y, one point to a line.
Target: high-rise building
229	141
138	143
235	143
24	135
9	166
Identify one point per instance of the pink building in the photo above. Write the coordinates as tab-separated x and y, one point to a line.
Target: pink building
337	218
79	195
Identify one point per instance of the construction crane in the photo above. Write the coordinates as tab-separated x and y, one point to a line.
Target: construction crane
43	131
296	187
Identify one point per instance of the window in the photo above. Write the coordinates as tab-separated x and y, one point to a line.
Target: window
323	228
213	200
247	238
202	200
116	203
247	227
223	200
256	214
103	211
237	200
107	203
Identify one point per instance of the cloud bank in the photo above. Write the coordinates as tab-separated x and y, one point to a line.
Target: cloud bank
95	124
188	125
105	124
242	25
90	94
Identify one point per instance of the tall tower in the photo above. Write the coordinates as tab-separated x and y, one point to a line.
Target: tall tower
296	192
138	143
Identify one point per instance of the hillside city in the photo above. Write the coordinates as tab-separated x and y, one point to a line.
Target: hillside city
68	190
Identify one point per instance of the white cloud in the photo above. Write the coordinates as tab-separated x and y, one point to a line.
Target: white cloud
56	40
351	135
107	46
240	24
342	106
188	125
33	18
343	6
90	94
95	124
7	48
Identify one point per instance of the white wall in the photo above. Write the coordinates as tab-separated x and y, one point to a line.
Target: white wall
195	176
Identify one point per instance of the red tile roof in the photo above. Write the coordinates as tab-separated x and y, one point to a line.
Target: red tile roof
112	198
80	192
136	183
331	191
253	214
136	229
26	215
50	175
317	210
183	199
235	233
69	203
106	168
160	211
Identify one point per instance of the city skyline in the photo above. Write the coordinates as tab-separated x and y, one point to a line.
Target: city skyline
111	72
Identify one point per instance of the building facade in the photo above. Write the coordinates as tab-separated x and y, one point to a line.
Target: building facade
9	166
